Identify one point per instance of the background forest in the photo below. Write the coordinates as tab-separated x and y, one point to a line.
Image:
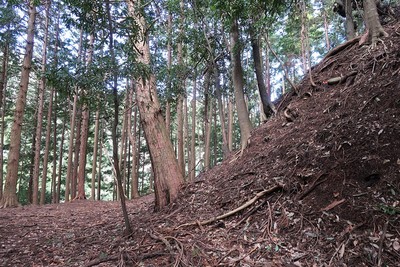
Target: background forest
81	128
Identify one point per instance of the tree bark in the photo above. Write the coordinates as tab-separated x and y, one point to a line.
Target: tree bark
60	161
350	29
3	86
181	96
238	84
95	152
133	141
207	119
375	29
167	174
100	160
192	168
267	105
9	198
225	148
230	124
84	129
40	120
70	165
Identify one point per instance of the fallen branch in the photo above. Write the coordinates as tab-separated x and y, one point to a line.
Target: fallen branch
242	207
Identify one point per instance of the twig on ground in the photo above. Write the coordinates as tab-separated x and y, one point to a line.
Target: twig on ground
381	241
232	212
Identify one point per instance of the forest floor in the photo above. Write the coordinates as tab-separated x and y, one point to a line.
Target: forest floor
319	186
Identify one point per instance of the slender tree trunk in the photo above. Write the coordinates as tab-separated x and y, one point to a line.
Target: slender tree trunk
267	71
9	198
181	96
95	149
60	162
306	40
72	162
122	152
350	29
169	82
74	178
225	148
207	119
267	105
133	141
192	168
100	160
42	87
230	124
54	163
70	165
128	229
167	174
40	119
326	25
238	84
84	129
3	86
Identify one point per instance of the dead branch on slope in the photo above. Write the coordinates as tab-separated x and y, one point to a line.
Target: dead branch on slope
232	212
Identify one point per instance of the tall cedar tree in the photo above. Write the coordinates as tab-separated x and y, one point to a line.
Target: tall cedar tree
9	198
167	174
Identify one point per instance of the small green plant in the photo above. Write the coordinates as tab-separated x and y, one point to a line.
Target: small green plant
389	210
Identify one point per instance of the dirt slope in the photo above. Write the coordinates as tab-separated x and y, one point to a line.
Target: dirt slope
335	171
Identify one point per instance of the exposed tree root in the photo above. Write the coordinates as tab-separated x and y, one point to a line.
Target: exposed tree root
339	48
232	212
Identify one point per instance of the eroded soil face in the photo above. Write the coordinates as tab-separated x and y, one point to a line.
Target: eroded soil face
338	162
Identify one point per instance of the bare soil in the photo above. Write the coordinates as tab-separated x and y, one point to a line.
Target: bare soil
334	162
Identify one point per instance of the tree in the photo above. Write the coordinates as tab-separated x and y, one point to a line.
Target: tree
371	18
238	84
9	198
167	174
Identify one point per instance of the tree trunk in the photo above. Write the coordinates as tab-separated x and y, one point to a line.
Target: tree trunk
95	149
230	124
122	152
192	168
72	162
375	29
238	84
84	129
181	96
74	178
350	29
100	160
326	25
9	198
167	174
82	153
133	141
3	86
169	79
128	229
60	161
70	165
207	119
40	119
225	148
267	105
54	163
